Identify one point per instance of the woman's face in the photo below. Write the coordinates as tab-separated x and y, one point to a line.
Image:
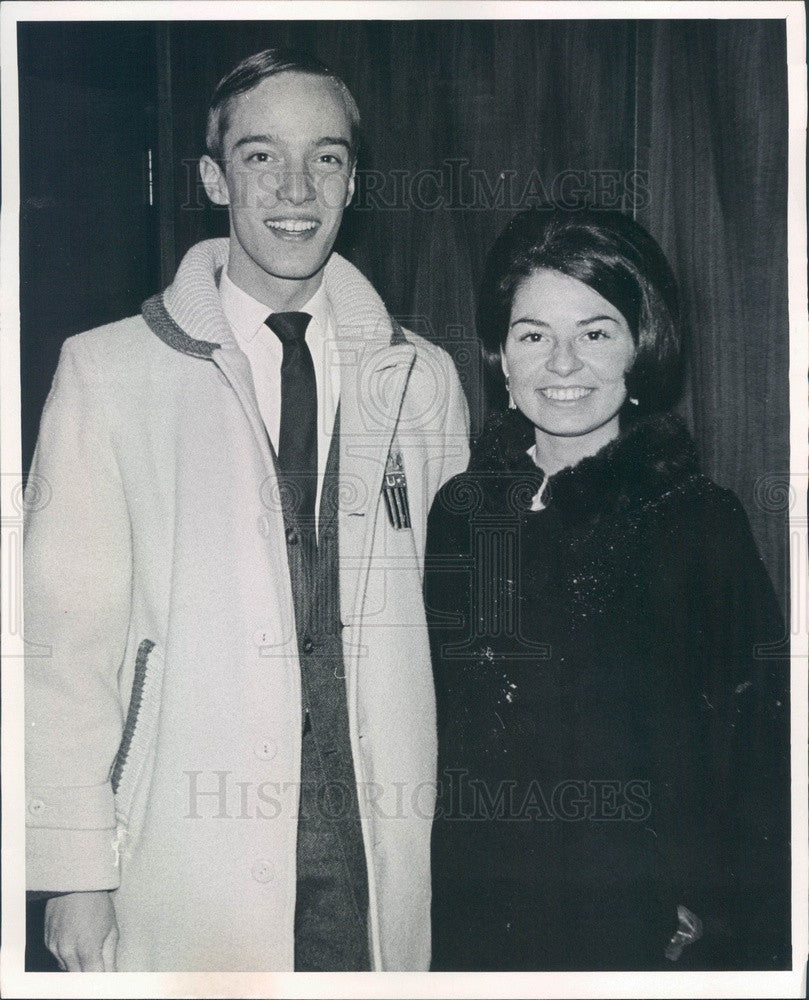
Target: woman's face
566	355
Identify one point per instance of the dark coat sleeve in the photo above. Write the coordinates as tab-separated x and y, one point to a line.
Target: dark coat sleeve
724	751
448	579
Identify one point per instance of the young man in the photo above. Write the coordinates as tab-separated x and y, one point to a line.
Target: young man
231	740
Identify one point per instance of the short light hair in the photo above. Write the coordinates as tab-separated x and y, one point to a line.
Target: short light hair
251	71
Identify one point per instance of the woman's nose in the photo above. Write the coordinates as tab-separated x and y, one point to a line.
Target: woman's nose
563	359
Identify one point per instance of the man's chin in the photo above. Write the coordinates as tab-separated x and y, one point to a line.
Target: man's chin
301	269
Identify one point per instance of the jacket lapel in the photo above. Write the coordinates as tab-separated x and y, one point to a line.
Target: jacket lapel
234	365
375	363
330	493
188	317
371	393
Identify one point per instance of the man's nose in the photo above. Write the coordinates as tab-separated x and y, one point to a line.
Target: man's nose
563	359
296	187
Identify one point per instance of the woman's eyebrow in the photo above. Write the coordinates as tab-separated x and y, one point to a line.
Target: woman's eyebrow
528	319
596	319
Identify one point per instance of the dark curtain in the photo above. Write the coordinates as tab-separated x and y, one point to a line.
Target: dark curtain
713	119
683	123
88	232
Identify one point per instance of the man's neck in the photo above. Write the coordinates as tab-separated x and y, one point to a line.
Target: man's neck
278	294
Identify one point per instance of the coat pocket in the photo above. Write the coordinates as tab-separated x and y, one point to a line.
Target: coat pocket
135	755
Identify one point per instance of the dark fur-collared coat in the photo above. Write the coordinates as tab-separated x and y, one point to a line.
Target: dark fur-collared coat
612	683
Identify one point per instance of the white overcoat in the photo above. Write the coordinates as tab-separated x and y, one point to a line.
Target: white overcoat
154	527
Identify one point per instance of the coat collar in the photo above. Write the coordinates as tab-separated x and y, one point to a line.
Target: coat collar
188	316
650	458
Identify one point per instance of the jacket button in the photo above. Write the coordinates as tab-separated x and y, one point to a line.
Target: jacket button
265	749
308	646
264	526
292	536
262	871
36	806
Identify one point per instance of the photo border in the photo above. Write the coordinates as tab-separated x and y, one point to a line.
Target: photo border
14	981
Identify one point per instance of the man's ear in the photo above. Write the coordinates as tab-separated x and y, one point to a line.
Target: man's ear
351	185
213	179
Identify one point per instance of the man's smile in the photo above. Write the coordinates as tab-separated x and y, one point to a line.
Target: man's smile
292	228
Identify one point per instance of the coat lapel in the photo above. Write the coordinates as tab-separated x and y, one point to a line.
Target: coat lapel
371	394
189	318
375	363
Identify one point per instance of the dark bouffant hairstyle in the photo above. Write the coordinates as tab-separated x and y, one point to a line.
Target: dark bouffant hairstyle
251	71
616	257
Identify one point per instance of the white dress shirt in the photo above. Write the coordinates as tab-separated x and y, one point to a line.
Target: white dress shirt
265	353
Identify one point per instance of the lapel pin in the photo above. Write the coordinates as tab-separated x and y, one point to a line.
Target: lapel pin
395	491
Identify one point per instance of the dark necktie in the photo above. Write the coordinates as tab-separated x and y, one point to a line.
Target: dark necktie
297	444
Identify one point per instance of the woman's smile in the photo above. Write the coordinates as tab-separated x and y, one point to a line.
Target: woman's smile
565	393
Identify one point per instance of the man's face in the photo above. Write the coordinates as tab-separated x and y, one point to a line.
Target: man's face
288	177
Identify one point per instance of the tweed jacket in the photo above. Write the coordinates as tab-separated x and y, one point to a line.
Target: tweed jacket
163	698
613	702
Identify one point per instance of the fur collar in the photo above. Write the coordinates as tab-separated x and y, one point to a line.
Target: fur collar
650	458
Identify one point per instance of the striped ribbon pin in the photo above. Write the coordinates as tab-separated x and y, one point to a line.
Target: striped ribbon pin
395	491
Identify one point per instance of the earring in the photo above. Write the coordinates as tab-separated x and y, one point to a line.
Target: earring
511	404
633	401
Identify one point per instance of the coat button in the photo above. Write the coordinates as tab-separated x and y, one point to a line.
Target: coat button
36	806
292	536
265	749
262	871
264	526
308	646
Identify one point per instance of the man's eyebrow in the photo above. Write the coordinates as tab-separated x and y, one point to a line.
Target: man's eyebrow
326	140
333	140
245	139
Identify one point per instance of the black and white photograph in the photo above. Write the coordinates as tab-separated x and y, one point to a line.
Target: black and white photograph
404	499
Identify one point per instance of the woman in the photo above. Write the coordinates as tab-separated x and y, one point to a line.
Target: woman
613	742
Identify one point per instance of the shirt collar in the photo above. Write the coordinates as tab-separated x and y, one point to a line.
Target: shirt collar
246	315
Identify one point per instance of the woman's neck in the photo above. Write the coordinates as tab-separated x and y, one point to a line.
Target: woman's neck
555	452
